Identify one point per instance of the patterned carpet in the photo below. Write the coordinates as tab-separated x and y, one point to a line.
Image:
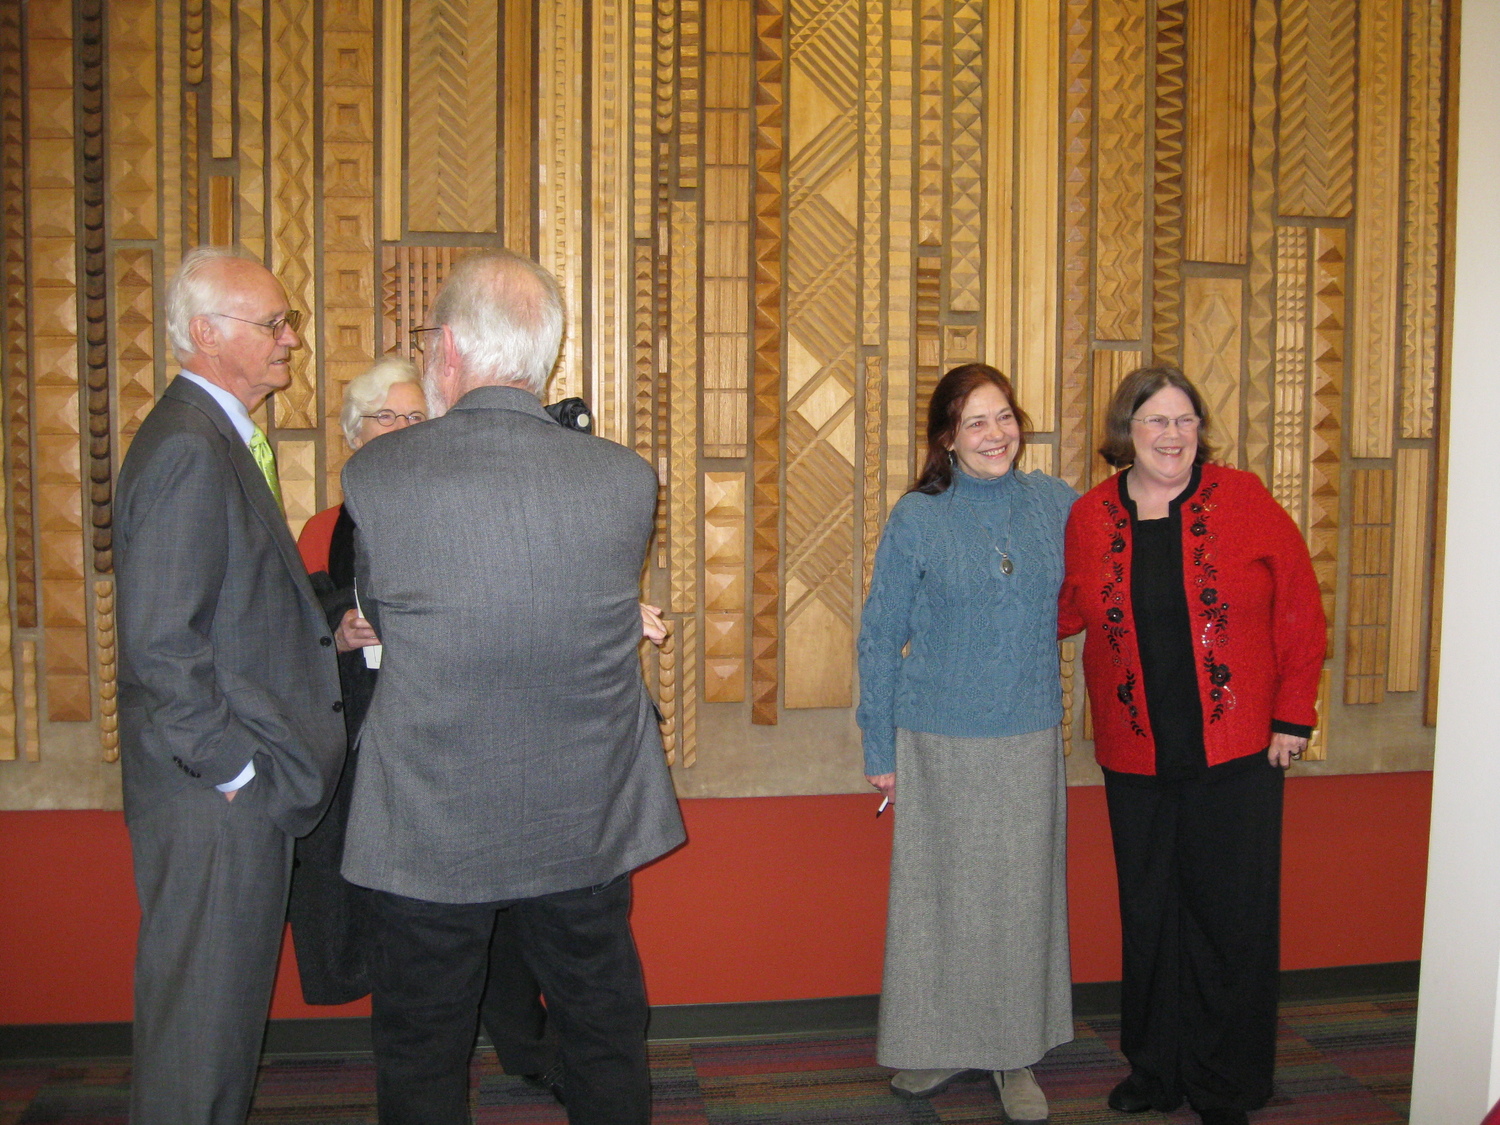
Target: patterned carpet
1339	1063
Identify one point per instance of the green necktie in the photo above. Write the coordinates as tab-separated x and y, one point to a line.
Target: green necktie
260	449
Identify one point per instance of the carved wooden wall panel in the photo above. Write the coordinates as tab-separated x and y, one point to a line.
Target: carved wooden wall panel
1218	130
1377	234
775	225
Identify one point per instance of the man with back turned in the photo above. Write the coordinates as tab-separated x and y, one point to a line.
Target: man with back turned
510	758
231	736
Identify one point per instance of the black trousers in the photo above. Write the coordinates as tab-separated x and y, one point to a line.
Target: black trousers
430	964
511	1009
1199	869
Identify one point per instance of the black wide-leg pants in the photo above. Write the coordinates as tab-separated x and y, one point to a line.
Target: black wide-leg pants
1199	869
428	972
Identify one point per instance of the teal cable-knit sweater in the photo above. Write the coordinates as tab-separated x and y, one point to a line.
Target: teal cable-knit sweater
983	655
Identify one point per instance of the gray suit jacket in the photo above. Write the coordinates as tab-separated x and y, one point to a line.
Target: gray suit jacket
511	749
224	650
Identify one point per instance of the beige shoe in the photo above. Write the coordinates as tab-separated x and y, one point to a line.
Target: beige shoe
926	1083
1020	1096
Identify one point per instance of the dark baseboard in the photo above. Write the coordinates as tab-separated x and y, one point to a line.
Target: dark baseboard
832	1015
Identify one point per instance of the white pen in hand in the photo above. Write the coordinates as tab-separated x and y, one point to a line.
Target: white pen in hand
883	804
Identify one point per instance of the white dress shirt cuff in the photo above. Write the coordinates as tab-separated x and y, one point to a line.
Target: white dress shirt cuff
240	782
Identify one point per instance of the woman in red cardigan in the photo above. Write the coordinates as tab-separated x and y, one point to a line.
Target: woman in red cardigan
1205	643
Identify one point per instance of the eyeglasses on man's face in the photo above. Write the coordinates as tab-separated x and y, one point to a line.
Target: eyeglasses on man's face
389	418
276	325
1158	423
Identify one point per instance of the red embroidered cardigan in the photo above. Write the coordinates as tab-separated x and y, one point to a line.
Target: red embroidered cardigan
1254	604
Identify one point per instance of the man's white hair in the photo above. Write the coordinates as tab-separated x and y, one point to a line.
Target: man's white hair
195	291
506	316
366	392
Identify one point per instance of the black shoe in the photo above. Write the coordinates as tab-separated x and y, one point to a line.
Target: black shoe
1224	1117
550	1080
1130	1096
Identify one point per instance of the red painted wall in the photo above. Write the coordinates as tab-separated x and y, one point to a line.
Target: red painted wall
772	898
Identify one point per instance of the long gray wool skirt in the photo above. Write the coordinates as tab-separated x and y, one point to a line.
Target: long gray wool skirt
976	947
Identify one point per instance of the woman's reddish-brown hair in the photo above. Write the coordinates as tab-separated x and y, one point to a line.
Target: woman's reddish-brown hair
943	413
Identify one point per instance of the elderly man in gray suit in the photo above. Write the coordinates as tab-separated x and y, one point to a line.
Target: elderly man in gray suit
230	731
510	758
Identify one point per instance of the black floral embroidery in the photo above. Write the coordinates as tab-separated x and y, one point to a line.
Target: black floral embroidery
1215	614
1112	596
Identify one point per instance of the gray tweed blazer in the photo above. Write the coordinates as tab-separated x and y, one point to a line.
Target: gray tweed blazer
511	749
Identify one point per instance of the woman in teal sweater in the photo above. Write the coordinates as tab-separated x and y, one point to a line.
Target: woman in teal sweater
961	702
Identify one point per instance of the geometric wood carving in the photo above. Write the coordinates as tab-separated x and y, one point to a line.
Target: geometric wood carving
1368	633
561	155
1325	449
966	157
1120	219
666	694
682	488
642	104
687	690
104	640
451	130
411	278
172	170
1078	120
1377	249
17	357
726	229
393	117
1211	353
55	334
770	85
221	68
1036	196
1317	107
689	92
1002	94
1110	367
1289	429
609	254
250	140
932	54
1422	216
348	158
292	216
132	118
1066	652
872	514
1260	315
928	338
297	471
899	329
821	332
724	587
1413	471
1167	180
1218	140
89	71
30	703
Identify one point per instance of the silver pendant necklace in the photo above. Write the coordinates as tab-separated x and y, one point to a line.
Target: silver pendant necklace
1002	564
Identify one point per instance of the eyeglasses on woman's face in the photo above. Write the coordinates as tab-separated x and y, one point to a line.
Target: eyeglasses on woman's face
1159	423
388	418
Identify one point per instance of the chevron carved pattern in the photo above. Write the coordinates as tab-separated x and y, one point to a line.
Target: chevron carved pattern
1317	107
1078	119
1377	248
560	217
1218	130
1289	429
966	158
610	250
1167	208
770	105
682	488
1260	317
452	116
872	514
1120	218
348	66
1422	222
822	331
1325	446
292	172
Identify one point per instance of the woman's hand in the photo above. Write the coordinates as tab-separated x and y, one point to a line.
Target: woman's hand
653	627
354	632
886	783
1285	747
